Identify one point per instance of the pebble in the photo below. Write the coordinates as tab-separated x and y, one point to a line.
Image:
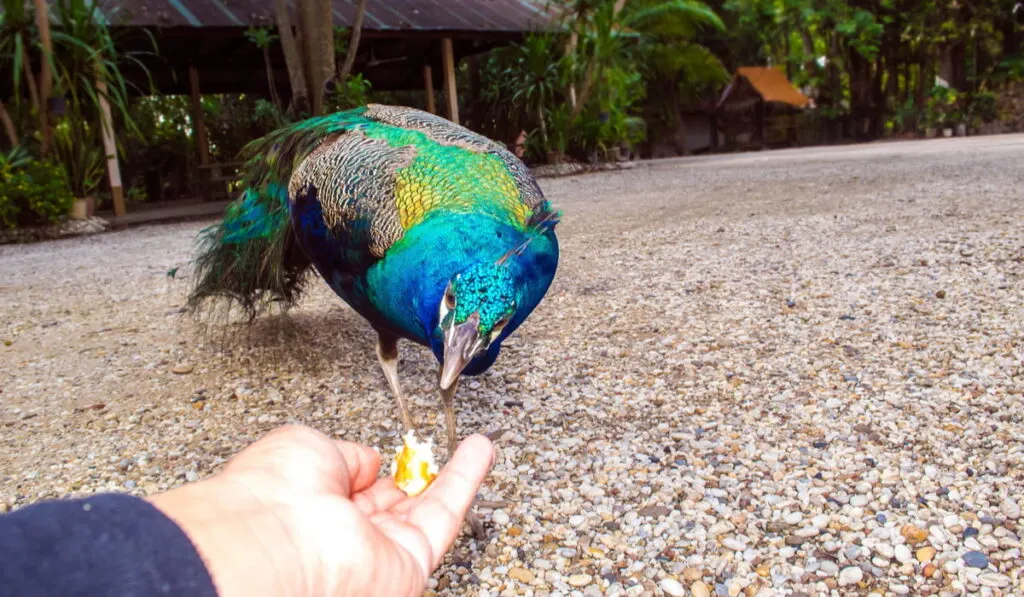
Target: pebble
993	579
700	589
902	554
521	574
975	559
925	554
182	369
913	534
672	587
1010	509
661	391
580	580
733	544
850	575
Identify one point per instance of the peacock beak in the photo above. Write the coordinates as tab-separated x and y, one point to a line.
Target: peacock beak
461	342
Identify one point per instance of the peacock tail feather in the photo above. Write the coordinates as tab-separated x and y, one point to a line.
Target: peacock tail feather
251	255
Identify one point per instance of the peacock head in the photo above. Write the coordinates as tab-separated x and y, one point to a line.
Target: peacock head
477	305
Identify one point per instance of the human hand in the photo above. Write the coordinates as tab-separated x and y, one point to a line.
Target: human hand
300	514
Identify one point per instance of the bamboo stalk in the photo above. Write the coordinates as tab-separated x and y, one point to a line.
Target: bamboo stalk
110	146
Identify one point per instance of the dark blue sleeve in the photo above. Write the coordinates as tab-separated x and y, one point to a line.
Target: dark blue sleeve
110	544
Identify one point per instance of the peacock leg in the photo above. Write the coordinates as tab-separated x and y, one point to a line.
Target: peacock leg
387	354
476	524
448	400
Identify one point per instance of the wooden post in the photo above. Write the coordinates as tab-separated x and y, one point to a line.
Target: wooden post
110	147
199	131
450	91
428	88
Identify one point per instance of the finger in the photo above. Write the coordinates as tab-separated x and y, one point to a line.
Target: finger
363	463
439	512
379	497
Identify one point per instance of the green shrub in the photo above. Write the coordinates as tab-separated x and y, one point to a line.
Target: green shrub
33	194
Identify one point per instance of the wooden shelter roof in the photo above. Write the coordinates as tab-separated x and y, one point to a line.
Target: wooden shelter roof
476	16
399	38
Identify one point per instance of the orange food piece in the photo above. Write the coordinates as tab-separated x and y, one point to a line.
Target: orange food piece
414	467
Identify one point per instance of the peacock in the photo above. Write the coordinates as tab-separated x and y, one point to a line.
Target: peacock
431	232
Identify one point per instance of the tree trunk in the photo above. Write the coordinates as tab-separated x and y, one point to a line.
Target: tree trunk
588	87
5	118
786	49
811	64
270	78
570	47
325	48
316	25
926	78
958	66
353	43
45	76
292	58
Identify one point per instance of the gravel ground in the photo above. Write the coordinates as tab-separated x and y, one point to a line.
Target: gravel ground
789	373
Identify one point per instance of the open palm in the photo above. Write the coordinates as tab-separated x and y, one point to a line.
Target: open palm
300	514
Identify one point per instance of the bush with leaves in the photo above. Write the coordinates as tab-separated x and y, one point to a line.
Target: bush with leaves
352	93
32	193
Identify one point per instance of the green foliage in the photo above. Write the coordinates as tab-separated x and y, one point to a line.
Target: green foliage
16	157
581	90
982	107
352	93
17	41
261	37
232	121
32	192
85	51
869	60
942	107
78	149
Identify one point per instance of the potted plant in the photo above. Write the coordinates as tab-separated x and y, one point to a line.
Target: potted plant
78	150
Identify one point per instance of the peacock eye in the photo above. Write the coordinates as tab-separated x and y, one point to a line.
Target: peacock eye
449	299
501	323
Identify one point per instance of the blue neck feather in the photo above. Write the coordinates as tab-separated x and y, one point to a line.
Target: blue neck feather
408	284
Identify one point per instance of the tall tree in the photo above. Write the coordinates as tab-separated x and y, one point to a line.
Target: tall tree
353	43
292	57
316	22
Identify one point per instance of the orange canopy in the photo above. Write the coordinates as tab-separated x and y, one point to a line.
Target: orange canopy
771	84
